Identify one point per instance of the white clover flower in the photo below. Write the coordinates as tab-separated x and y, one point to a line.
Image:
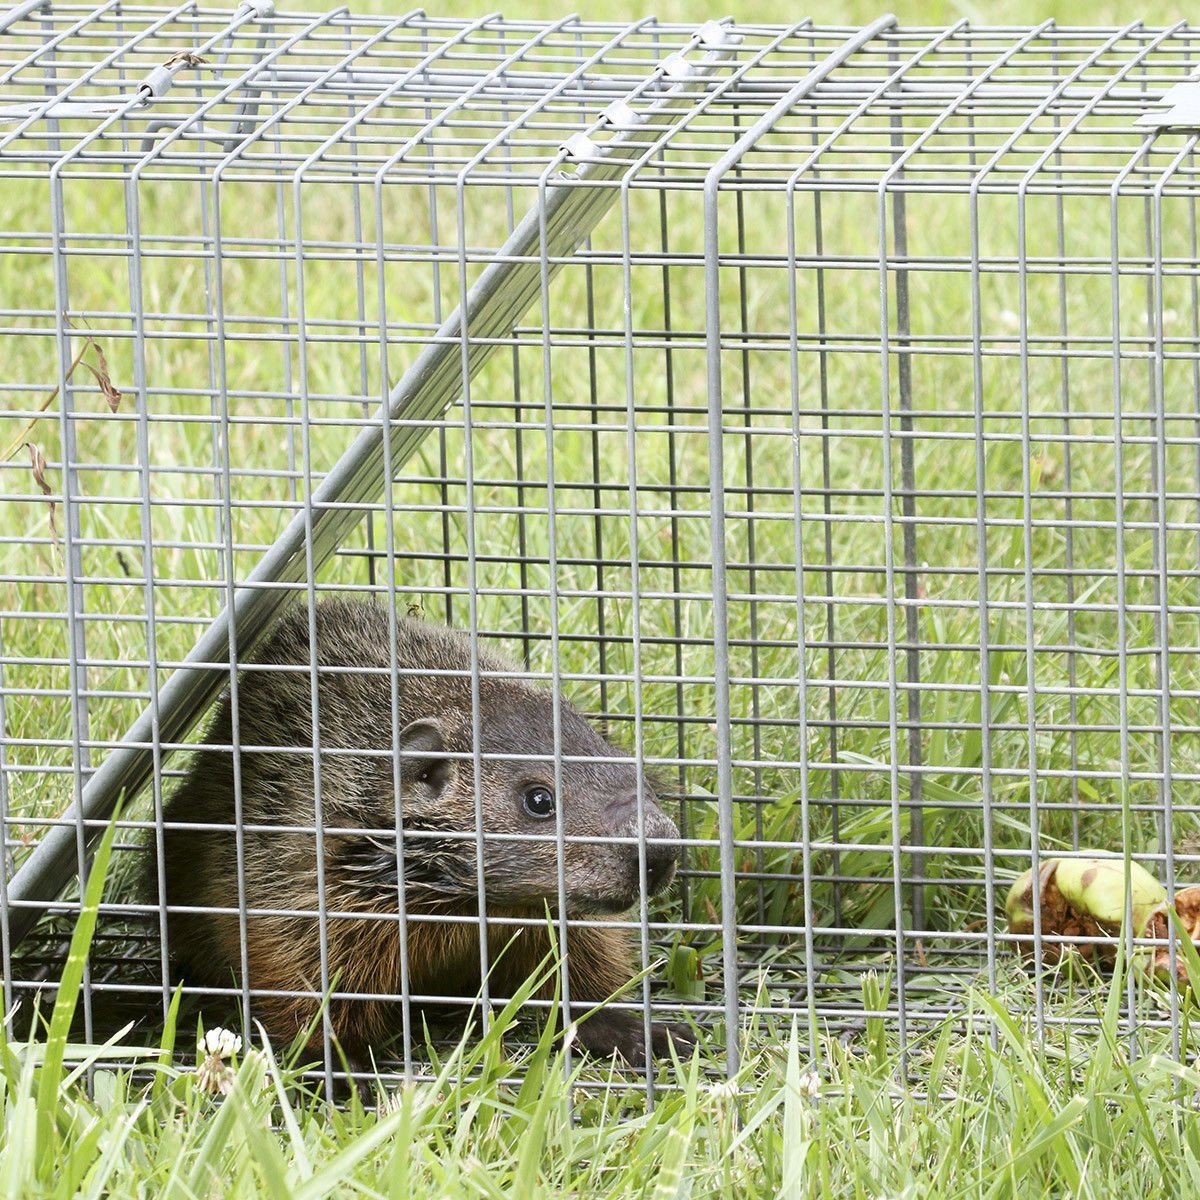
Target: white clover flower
725	1090
220	1043
809	1085
214	1075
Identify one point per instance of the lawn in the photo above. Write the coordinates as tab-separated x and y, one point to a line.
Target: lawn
998	1114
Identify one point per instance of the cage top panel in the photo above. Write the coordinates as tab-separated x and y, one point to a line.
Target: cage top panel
143	92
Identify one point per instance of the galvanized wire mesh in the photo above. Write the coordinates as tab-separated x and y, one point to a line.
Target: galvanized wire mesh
816	407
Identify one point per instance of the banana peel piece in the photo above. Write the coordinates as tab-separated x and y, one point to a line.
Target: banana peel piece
1083	898
1187	906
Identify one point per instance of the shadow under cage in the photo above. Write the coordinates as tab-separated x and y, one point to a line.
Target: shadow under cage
816	409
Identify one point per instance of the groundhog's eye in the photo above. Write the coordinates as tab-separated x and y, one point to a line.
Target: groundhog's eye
539	801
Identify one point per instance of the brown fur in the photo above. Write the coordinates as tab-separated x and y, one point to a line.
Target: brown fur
431	719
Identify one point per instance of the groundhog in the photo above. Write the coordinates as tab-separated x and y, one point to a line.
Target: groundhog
357	733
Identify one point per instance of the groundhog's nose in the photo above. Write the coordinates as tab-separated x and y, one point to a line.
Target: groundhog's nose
660	867
662	853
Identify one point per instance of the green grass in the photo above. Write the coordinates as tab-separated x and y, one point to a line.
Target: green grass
971	1105
998	1113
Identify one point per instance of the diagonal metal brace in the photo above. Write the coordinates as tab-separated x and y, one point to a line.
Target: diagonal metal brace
1177	108
493	307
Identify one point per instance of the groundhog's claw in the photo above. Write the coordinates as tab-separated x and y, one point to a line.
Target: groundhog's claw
624	1033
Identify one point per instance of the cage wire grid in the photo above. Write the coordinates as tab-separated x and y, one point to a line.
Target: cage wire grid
815	407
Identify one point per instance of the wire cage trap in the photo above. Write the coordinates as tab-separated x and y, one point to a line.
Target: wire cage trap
815	407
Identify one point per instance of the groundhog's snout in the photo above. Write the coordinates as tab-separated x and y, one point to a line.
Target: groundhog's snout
662	835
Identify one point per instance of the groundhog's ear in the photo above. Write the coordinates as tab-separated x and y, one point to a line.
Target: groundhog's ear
424	763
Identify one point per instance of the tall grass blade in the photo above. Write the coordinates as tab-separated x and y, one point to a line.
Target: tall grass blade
795	1117
51	1076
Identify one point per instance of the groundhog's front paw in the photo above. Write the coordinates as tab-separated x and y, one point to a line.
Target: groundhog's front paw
667	1034
625	1033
